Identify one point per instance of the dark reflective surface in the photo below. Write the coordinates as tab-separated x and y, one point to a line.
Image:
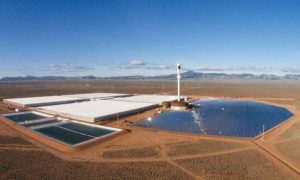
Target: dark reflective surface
221	117
24	117
73	133
63	135
89	130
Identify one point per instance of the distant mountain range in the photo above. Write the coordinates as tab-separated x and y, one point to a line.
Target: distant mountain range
189	75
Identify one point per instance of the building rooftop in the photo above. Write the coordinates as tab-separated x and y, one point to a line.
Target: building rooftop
97	95
158	99
91	111
42	101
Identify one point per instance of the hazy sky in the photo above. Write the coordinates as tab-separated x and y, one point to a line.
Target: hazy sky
143	37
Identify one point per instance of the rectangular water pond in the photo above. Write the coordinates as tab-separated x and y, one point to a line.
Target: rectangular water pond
64	135
89	130
62	130
74	133
22	117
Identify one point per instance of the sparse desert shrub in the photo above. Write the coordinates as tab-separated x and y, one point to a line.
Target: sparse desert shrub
41	165
13	140
290	149
247	164
292	132
200	147
141	152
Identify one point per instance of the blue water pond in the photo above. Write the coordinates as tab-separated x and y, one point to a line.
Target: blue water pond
235	118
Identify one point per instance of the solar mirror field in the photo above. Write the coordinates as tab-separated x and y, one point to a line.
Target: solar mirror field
236	118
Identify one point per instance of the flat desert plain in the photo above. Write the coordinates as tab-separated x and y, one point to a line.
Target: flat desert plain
149	154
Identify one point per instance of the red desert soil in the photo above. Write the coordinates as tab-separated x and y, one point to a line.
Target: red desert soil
145	154
38	165
243	165
142	152
289	147
200	147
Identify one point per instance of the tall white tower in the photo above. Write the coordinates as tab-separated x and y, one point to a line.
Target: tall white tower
178	81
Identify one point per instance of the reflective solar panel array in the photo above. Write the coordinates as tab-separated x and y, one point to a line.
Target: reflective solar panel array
235	118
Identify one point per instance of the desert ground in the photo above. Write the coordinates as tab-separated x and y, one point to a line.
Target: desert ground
154	154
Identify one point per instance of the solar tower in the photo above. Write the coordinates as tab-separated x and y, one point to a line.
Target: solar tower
178	81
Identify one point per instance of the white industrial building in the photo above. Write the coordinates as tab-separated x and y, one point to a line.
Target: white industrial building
42	101
158	99
63	99
92	111
98	95
91	107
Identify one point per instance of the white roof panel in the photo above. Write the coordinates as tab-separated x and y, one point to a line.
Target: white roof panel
97	95
97	110
147	98
41	101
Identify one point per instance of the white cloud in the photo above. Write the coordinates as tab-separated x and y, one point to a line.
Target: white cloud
66	68
233	69
134	64
161	67
138	64
290	70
